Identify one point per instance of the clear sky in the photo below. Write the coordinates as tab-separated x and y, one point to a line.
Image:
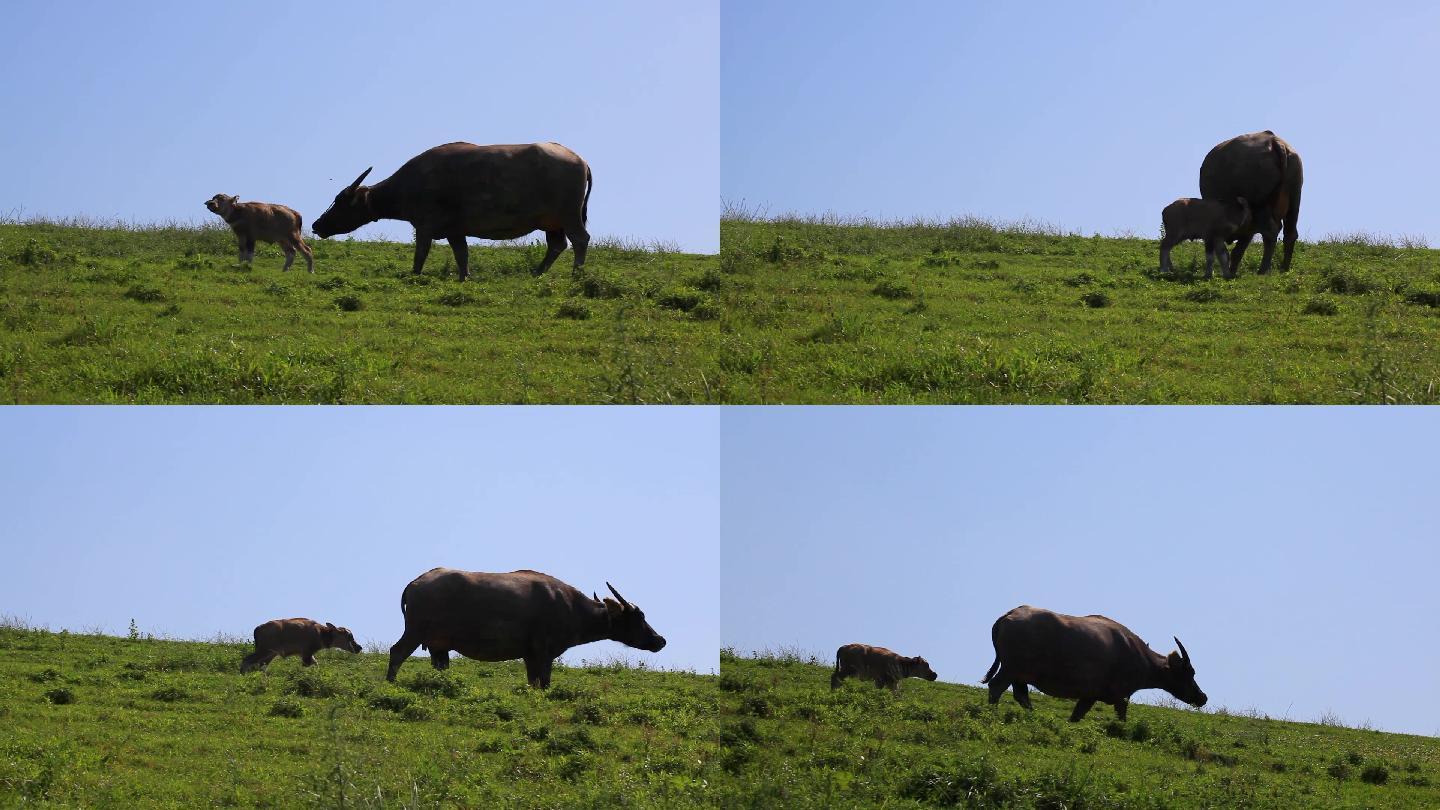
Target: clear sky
1090	116
194	521
1291	549
142	111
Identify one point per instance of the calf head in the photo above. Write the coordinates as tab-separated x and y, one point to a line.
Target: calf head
920	668
222	205
339	638
1239	215
628	625
1178	677
349	211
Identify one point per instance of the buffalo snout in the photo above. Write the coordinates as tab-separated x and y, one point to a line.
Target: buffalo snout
657	645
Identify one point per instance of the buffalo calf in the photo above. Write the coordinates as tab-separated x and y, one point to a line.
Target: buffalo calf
877	664
1213	221
263	222
302	637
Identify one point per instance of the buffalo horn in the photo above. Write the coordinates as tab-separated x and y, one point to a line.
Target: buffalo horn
1183	654
360	179
617	595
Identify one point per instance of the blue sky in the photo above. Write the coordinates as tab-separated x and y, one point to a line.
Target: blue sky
143	111
1291	549
194	521
1090	116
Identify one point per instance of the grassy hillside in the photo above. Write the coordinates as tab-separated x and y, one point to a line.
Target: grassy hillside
791	742
965	312
167	315
95	721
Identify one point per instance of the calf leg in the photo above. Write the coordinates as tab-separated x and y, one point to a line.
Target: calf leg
554	246
255	660
1166	245
309	257
837	677
307	659
1210	249
461	249
439	659
289	255
402	650
1120	706
1080	709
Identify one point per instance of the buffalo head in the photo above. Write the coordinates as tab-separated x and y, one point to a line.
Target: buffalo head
339	638
920	668
222	205
350	210
628	625
1180	677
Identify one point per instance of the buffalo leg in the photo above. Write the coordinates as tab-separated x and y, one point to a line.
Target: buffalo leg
1268	239
461	249
422	251
255	660
1022	696
309	257
998	685
1166	245
308	659
1081	709
580	242
1210	249
439	659
398	653
537	671
554	246
1120	706
1242	241
1292	229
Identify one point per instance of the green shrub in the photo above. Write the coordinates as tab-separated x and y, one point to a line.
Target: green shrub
286	707
349	303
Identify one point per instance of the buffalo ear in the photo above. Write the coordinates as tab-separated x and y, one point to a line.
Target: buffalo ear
329	626
614	607
1174	660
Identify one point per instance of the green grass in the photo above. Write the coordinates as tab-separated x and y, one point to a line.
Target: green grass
166	314
96	721
818	310
789	741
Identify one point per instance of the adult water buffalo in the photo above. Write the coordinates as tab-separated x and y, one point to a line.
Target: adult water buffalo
302	637
1264	169
460	189
1087	658
499	617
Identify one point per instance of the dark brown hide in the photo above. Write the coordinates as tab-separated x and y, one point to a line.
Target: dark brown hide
1087	658
1264	169
500	617
877	664
1213	221
302	637
460	190
262	222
